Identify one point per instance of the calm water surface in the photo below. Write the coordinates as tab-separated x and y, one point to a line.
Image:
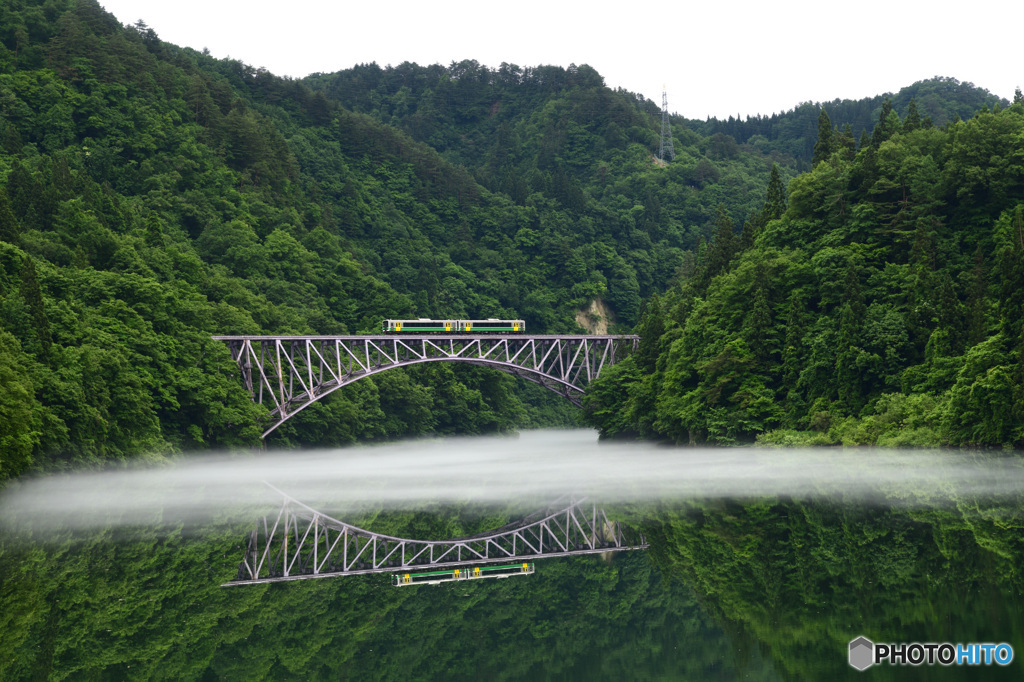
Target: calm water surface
764	564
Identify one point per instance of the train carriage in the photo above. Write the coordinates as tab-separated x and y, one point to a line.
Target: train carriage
491	325
428	326
420	326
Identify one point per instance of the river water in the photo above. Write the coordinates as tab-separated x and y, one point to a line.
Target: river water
764	564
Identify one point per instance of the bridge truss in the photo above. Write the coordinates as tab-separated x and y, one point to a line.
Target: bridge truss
293	372
301	543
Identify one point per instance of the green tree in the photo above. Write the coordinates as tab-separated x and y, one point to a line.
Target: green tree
759	323
10	230
650	329
722	248
913	120
887	126
33	297
775	201
20	422
826	144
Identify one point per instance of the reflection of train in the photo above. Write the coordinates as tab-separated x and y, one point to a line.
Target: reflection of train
426	326
438	577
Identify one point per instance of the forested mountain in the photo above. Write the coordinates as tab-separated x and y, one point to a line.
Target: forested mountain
580	155
883	305
151	196
937	101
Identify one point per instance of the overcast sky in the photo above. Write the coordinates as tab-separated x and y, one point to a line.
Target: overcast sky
742	57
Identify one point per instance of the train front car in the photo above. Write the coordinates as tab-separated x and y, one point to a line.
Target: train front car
492	326
419	326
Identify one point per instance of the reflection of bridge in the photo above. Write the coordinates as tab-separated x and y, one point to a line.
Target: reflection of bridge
293	372
301	543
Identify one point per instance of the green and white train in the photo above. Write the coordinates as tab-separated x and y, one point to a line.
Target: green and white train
428	326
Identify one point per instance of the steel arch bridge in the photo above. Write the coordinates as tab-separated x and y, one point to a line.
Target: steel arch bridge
301	543
293	372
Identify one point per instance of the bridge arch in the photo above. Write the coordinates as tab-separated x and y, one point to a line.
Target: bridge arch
293	372
301	542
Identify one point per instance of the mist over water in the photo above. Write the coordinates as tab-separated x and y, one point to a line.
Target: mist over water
533	468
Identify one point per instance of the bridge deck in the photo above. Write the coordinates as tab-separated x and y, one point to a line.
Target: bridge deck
432	336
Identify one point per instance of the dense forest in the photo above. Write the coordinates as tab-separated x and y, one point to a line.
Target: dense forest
151	196
879	303
937	101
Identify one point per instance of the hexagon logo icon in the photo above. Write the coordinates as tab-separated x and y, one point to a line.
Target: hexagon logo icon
862	653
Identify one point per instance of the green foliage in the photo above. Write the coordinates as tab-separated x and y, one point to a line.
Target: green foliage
151	196
20	412
579	157
145	603
936	101
759	589
892	335
803	578
826	144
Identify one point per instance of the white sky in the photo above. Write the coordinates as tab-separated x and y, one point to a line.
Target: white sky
739	57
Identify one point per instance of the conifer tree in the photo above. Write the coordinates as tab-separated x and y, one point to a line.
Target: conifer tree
847	374
977	321
795	330
887	126
725	235
748	233
950	314
826	143
721	251
650	329
33	296
852	293
759	321
775	200
24	193
847	143
9	228
913	120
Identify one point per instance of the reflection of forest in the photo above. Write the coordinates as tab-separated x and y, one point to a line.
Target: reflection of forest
146	605
804	578
756	590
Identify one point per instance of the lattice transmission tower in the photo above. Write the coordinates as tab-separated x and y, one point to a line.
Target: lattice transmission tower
666	131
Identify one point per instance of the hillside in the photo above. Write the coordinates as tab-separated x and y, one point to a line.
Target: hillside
151	196
938	100
883	306
579	154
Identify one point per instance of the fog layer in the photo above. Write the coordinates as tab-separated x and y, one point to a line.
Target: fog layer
532	468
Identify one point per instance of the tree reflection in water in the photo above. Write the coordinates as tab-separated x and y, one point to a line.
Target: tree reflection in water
751	587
